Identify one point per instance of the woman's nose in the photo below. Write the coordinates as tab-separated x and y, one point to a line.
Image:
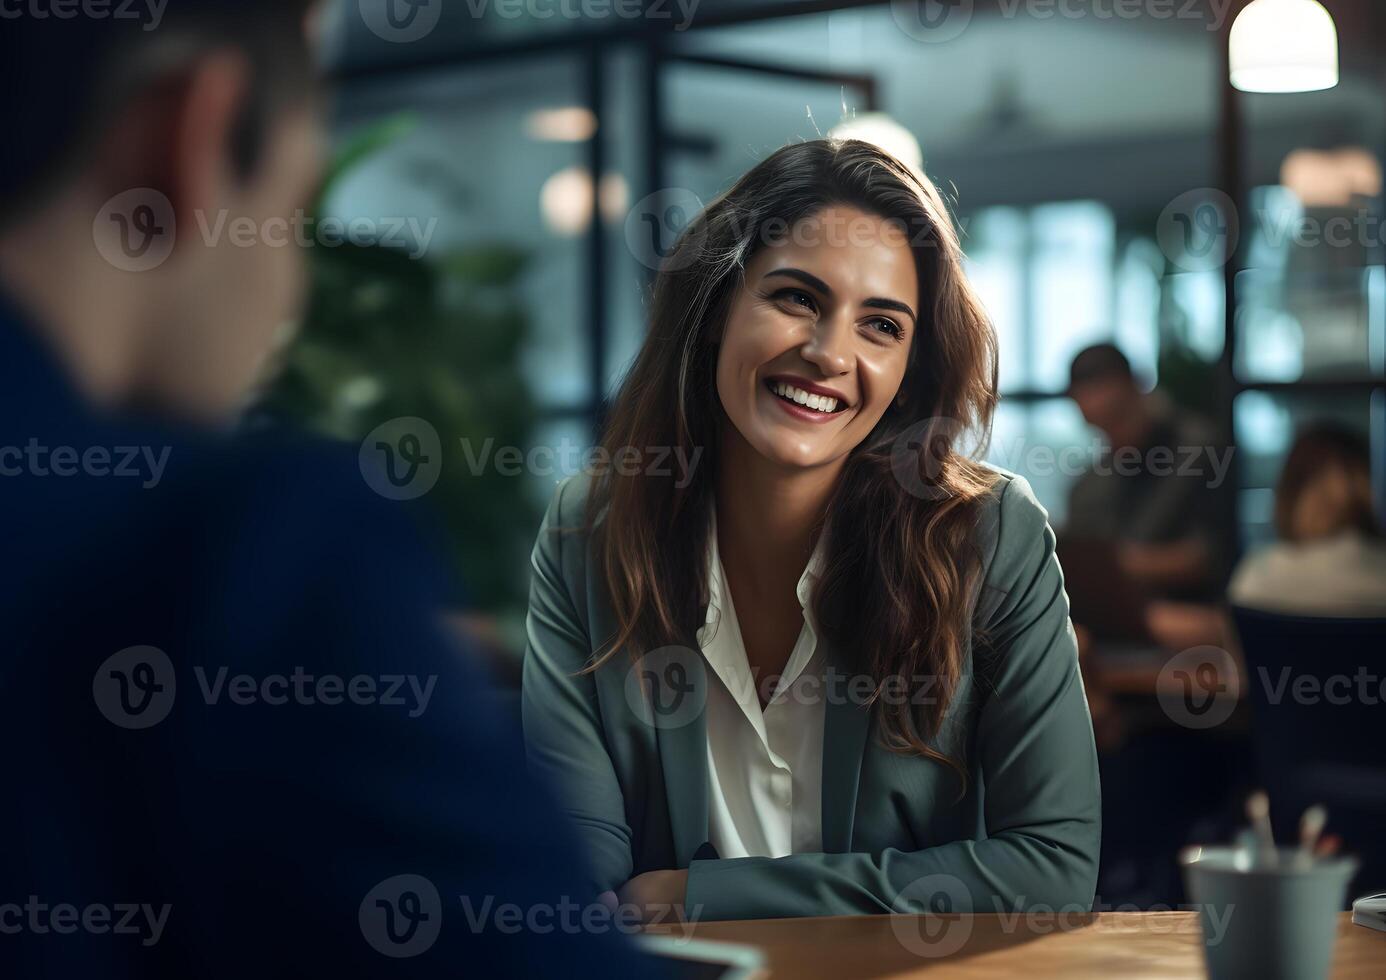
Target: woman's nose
828	344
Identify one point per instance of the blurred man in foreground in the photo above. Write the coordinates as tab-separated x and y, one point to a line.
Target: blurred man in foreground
236	744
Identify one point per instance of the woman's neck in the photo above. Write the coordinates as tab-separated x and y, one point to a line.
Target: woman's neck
768	515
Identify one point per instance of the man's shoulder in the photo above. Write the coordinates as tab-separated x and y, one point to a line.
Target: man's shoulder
241	512
308	501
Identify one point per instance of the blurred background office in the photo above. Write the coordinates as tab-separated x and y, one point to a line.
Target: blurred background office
523	164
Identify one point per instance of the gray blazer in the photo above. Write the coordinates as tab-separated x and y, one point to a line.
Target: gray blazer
896	834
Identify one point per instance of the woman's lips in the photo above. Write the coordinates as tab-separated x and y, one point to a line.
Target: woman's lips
802	412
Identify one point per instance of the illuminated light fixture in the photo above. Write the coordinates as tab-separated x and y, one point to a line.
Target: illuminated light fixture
570	124
565	200
1284	46
880	130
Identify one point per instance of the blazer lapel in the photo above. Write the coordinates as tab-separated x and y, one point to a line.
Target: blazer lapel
682	736
845	727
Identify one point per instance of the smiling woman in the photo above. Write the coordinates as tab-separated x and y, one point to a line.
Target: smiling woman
707	662
810	323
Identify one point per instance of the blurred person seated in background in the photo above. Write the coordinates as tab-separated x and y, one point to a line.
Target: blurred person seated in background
1146	542
226	704
1149	496
1145	555
1330	559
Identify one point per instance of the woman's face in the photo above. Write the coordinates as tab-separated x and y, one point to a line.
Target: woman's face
818	337
1328	504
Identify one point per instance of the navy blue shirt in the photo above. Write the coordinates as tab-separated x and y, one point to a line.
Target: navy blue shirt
235	742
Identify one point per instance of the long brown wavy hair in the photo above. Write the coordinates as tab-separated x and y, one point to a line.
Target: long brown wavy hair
897	589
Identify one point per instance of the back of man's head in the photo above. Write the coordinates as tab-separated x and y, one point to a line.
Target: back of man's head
137	133
69	69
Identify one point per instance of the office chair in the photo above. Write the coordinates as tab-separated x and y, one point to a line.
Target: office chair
1317	689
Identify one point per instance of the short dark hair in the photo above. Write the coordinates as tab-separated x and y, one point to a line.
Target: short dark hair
68	78
1099	362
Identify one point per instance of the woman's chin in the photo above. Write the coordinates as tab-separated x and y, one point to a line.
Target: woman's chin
792	450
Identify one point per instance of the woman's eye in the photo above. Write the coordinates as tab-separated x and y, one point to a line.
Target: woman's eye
889	327
797	297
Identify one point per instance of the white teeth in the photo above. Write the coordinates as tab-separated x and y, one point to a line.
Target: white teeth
819	403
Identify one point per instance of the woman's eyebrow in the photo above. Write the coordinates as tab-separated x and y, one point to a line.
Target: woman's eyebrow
890	304
809	279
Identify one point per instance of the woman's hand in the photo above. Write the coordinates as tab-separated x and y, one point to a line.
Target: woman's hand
657	894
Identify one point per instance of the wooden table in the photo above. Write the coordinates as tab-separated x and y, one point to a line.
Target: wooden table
1097	945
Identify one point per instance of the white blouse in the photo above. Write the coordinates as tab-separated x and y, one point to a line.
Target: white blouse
1344	575
765	769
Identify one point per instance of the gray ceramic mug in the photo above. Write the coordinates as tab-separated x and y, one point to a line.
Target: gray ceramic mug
1269	920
